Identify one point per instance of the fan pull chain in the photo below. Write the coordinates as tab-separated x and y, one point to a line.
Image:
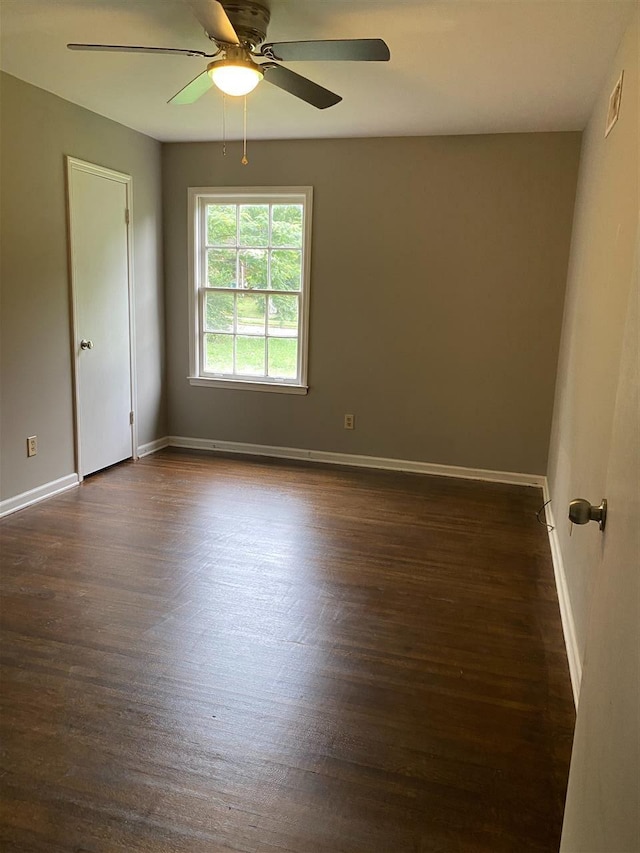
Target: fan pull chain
224	125
244	160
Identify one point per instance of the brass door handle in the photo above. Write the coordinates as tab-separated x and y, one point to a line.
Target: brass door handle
582	512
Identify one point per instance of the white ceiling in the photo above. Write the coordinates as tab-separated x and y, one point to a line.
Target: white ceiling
457	66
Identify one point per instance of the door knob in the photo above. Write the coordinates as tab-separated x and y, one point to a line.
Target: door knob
86	344
582	512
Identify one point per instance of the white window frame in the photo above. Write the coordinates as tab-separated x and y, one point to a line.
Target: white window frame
199	197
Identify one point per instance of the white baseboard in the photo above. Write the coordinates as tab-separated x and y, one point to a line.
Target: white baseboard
356	460
41	493
566	613
153	446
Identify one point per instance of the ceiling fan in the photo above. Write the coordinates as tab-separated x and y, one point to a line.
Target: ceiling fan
237	28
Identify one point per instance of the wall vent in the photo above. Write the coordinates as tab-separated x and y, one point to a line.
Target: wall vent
614	105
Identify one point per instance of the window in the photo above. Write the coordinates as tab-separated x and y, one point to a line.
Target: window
250	251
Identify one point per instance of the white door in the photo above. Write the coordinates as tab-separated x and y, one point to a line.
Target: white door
602	813
99	206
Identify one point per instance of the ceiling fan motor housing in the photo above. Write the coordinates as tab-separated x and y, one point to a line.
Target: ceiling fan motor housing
250	21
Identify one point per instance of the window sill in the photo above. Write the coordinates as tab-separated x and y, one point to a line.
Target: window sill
241	385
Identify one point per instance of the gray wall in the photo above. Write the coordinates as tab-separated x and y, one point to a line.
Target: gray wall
438	275
38	129
594	453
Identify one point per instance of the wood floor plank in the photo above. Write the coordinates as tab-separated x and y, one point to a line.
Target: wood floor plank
211	654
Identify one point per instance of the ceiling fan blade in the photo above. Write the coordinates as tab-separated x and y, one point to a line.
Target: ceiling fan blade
193	90
358	50
133	48
214	19
300	86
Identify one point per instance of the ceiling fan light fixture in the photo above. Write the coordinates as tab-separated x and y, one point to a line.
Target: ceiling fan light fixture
235	77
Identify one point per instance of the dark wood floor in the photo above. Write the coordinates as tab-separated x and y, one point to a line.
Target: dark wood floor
209	654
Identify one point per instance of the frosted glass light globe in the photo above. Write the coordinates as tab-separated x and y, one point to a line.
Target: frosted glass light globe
235	78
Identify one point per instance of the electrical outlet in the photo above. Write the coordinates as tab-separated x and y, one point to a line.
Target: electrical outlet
32	445
349	422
